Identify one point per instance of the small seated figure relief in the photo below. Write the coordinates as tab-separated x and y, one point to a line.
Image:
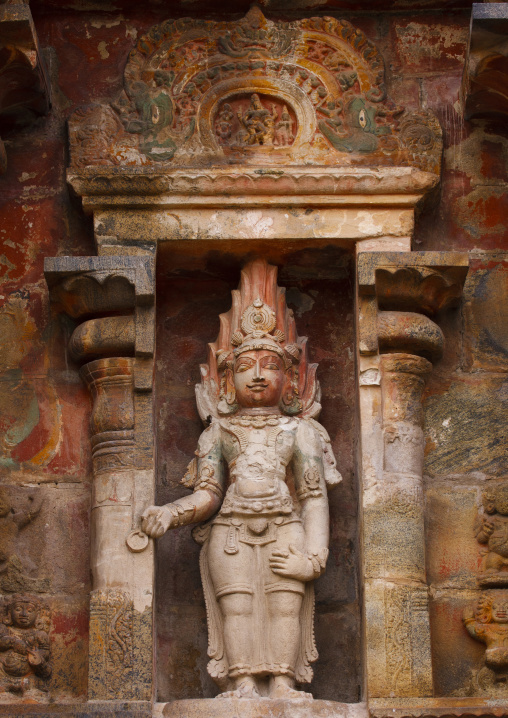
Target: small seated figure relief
487	621
25	666
260	480
492	529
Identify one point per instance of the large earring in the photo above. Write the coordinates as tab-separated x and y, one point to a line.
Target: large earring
227	404
291	403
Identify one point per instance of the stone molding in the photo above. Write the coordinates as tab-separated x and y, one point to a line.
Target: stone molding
142	208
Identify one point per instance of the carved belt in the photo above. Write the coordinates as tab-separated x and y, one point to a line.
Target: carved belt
255	531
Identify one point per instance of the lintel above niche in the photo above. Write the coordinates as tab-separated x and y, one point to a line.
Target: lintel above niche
253	92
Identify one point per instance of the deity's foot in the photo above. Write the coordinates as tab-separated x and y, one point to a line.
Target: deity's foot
283	691
246	689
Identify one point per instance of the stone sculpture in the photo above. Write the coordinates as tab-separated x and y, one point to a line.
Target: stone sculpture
487	621
25	664
492	529
260	481
14	518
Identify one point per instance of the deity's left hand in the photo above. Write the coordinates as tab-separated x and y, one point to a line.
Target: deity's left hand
292	564
35	657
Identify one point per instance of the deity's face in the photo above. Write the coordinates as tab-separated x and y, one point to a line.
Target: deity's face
500	611
256	102
23	614
259	378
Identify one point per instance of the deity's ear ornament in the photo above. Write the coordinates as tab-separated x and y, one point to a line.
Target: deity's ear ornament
258	319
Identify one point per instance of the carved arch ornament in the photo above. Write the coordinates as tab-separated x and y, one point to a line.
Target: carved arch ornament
254	91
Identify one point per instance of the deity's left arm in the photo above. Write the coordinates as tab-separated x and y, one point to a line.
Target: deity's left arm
42	667
311	491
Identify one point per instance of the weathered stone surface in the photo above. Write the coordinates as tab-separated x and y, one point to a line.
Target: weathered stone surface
105	709
455	654
258	223
89	47
265	94
397	639
452	551
231	708
439	707
484	84
465	426
25	92
485	310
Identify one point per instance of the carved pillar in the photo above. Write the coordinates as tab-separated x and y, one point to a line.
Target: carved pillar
116	353
398	344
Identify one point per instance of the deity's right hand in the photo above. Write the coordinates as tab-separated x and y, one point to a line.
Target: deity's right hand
156	520
488	527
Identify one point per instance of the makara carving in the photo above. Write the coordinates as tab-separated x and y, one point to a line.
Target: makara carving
260	479
25	665
311	91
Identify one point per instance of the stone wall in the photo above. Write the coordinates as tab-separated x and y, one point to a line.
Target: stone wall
44	408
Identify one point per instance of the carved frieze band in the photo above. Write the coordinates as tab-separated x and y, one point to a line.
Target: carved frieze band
256	91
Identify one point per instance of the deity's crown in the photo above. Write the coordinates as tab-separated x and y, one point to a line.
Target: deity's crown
259	319
258	331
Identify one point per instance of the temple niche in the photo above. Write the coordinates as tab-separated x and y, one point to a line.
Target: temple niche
198	300
252	360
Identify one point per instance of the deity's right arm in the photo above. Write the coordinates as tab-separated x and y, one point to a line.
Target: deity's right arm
475	628
205	475
6	640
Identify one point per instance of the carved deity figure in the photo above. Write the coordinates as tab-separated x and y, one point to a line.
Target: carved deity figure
492	529
223	123
258	123
487	621
260	480
283	128
25	664
12	519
